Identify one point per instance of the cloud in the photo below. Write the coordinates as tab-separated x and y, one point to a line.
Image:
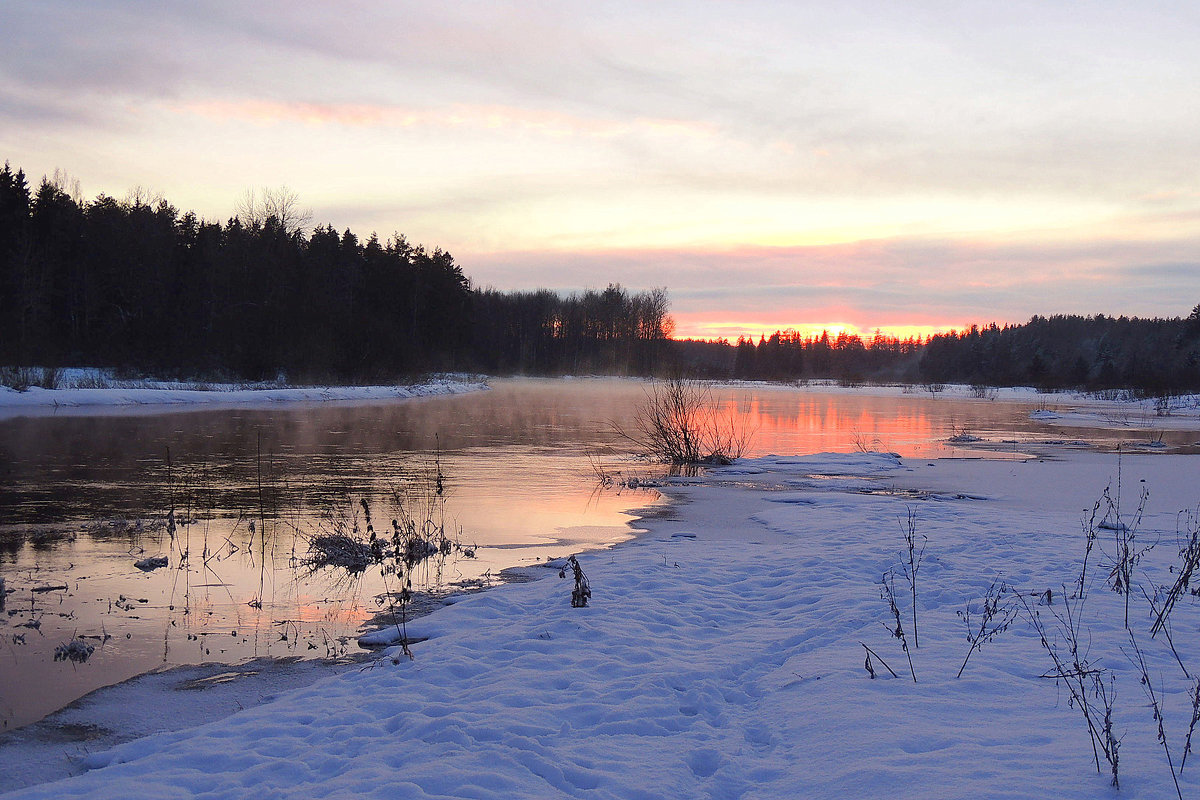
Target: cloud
471	117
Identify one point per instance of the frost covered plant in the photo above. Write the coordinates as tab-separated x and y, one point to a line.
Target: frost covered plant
993	619
887	592
583	588
912	563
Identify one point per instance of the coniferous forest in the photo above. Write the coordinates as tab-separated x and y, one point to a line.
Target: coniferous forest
137	285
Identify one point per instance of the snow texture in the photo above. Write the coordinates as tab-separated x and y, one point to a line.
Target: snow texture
720	657
159	396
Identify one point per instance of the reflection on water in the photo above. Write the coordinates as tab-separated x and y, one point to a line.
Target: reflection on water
82	498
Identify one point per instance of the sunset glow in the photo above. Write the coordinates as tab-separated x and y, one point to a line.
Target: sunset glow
699	328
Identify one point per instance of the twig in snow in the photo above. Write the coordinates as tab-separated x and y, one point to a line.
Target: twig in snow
1074	670
1189	556
912	563
1160	614
994	618
1139	661
1193	693
870	653
887	592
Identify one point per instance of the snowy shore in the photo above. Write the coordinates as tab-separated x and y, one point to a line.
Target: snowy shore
89	392
721	656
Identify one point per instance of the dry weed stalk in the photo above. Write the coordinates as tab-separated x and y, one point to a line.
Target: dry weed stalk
1194	694
1189	558
870	667
1139	660
995	616
912	562
1084	682
887	591
583	587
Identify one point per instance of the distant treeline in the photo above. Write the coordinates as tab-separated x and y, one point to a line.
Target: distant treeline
133	284
789	356
1145	356
136	285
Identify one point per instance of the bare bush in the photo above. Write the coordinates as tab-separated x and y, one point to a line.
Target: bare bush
17	378
679	424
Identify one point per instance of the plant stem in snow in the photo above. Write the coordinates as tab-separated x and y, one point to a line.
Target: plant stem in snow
1139	661
1193	693
1189	557
888	594
1076	677
913	563
994	619
870	653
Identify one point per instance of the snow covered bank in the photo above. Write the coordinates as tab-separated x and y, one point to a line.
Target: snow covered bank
158	701
721	656
86	393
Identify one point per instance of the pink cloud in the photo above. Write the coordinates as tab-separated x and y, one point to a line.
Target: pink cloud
456	115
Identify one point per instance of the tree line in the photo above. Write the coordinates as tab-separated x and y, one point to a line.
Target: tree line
134	284
1150	357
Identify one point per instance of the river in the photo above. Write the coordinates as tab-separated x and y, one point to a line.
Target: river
232	499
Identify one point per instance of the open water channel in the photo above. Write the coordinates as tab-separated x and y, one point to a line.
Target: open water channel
232	498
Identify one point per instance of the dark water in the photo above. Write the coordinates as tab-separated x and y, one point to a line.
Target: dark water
82	498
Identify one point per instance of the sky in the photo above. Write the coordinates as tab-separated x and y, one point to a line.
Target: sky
859	165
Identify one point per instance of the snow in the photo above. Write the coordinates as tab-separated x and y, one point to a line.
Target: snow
721	656
154	396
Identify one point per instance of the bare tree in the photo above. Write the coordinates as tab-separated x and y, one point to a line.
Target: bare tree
256	208
142	196
66	184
